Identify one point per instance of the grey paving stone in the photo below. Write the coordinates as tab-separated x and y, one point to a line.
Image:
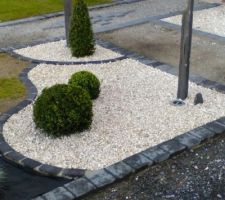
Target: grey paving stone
220	88
73	172
14	156
3	118
147	61
4	147
31	96
196	79
50	170
59	193
202	133
209	83
24	103
164	67
138	161
221	120
172	146
120	169
188	140
99	178
30	163
156	154
215	127
80	187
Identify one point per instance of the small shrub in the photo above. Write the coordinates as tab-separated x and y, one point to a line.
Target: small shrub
81	40
88	81
61	110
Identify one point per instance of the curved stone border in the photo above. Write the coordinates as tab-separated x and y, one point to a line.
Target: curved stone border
11	155
92	180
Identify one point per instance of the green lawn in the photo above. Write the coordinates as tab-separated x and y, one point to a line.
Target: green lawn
16	9
11	88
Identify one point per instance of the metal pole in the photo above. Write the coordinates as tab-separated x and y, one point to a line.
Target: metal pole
67	12
185	51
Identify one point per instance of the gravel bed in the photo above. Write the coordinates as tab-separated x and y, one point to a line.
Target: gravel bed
132	113
208	20
57	51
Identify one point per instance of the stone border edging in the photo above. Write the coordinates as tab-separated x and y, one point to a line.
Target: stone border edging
61	13
9	154
93	180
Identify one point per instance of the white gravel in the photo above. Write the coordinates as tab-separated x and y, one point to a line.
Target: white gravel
208	20
132	113
57	51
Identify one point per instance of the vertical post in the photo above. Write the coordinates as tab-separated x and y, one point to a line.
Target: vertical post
185	51
67	12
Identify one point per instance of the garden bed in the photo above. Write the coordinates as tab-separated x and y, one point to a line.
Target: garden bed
132	113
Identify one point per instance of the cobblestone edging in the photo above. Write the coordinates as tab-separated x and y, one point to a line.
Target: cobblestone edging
93	180
58	14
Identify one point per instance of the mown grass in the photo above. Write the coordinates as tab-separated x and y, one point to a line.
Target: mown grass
11	88
16	9
12	91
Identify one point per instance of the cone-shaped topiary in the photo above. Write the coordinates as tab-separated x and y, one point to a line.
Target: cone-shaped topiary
81	39
61	110
86	80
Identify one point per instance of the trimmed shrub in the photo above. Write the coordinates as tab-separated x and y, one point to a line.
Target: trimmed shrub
86	80
61	110
81	40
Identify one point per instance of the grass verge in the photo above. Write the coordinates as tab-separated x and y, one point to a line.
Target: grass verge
12	91
11	88
17	9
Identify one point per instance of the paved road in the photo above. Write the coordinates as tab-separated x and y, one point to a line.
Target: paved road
103	19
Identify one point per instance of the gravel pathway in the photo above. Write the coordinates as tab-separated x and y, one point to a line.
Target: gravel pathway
57	51
209	20
132	113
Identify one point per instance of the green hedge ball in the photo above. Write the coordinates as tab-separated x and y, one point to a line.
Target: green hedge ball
86	80
61	110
